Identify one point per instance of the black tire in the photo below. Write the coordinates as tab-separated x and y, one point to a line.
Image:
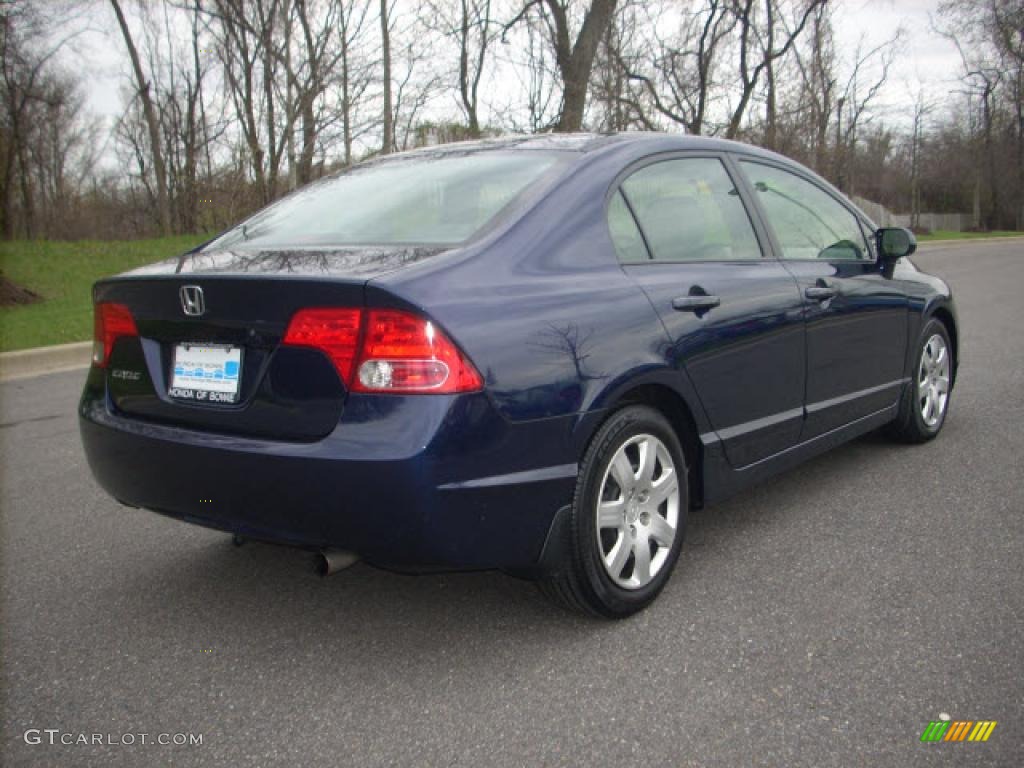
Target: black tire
910	425
582	582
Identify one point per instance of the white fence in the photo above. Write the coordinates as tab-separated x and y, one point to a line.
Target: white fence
883	217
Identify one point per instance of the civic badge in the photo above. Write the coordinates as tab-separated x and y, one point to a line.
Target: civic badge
192	301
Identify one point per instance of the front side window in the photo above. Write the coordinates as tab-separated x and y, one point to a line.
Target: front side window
422	200
689	210
808	222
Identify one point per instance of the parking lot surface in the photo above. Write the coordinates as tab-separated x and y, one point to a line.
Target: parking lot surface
822	619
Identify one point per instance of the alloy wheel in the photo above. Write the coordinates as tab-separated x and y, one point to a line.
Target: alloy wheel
933	380
637	511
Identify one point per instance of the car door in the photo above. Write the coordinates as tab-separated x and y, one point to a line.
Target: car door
733	315
856	315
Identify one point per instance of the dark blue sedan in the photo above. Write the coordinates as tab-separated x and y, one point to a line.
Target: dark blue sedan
534	354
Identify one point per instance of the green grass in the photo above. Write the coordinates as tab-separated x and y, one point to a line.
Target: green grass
942	234
63	274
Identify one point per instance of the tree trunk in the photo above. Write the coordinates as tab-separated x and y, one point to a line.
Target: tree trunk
385	43
274	159
576	61
346	106
770	109
976	207
991	218
468	100
159	169
27	200
308	140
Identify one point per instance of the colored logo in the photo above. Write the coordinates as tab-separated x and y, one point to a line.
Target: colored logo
958	730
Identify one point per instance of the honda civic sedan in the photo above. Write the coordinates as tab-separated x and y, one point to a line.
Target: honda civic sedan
528	354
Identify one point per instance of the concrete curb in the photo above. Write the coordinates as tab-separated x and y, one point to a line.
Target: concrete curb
26	363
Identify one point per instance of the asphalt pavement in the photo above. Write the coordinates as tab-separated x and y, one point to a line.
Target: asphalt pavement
822	619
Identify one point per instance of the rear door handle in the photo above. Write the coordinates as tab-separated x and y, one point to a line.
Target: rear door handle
695	303
820	292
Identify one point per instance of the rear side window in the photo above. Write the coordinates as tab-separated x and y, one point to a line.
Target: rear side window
689	210
629	243
808	222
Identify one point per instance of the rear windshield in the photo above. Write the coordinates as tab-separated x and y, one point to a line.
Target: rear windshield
432	199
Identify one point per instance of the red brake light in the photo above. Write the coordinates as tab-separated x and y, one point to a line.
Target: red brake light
110	322
335	331
403	352
385	350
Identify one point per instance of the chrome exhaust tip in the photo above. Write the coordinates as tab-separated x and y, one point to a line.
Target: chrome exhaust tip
330	561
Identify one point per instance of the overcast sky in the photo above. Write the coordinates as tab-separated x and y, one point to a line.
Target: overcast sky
926	59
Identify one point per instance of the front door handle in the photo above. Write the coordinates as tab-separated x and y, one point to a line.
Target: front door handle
695	303
820	292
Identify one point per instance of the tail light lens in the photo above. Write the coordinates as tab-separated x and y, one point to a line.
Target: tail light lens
385	350
335	331
402	352
110	322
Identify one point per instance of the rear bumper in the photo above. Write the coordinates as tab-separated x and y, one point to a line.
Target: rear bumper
428	481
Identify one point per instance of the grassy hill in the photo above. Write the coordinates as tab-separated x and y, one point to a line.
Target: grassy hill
62	273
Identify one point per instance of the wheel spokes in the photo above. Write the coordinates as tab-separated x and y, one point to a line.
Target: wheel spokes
933	380
648	460
610	513
622	471
641	560
664	488
619	554
660	530
637	511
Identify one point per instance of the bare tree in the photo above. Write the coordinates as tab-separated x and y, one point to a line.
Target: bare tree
1006	22
922	108
385	47
536	109
854	102
819	83
470	24
575	58
416	88
353	79
758	49
983	76
47	143
253	38
681	84
152	122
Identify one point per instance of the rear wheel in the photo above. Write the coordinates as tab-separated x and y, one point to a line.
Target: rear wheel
627	519
926	401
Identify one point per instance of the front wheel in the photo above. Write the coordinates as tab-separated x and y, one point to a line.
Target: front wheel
628	517
926	402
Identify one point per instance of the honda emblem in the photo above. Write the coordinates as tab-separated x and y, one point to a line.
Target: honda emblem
192	302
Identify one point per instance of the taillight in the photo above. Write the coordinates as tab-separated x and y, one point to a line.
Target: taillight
335	331
110	322
385	350
402	352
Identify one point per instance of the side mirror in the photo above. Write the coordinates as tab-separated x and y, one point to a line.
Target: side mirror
895	243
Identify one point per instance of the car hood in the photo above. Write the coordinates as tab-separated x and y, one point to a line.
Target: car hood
363	262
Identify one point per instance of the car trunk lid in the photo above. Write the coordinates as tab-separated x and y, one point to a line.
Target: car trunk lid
284	392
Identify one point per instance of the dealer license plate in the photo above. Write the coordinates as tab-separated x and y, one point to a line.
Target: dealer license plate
208	373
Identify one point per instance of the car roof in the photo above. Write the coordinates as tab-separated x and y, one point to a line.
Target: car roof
589	142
